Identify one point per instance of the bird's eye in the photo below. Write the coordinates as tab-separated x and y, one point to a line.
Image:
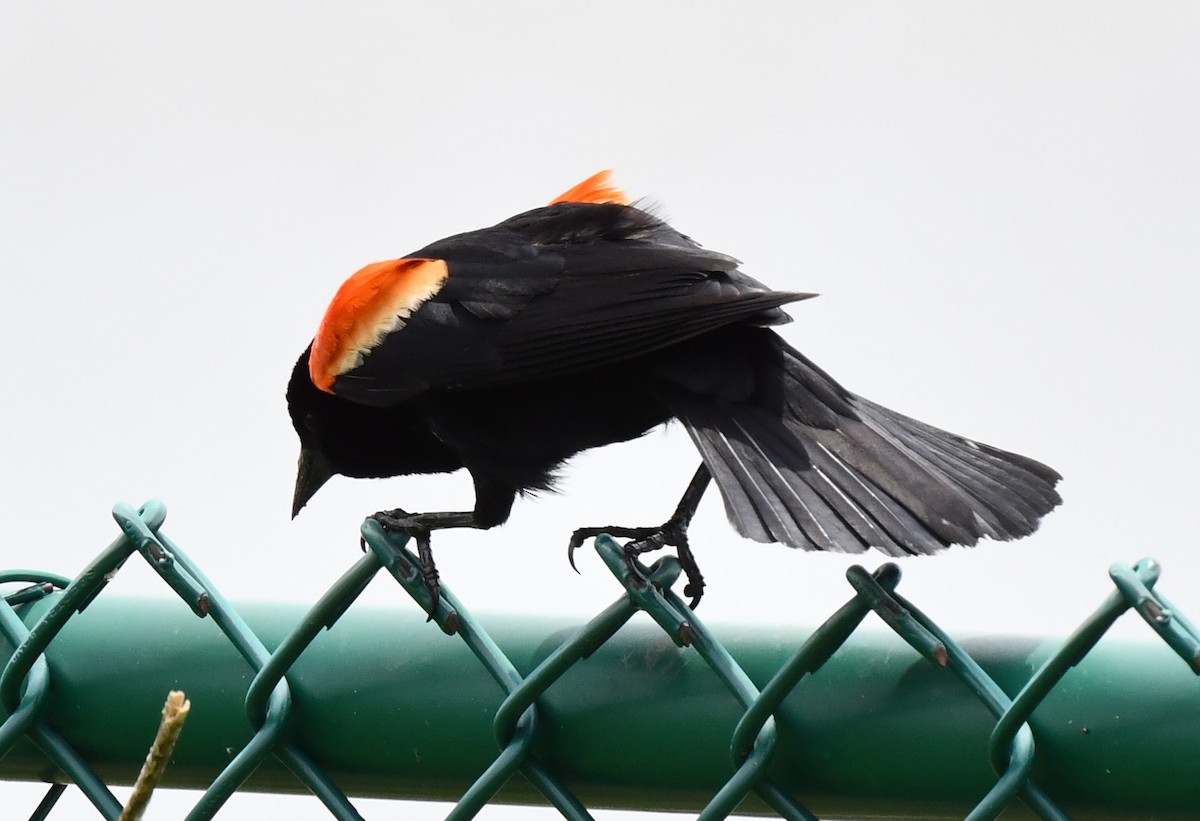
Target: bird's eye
310	422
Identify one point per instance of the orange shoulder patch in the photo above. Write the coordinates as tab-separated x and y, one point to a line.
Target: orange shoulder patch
371	304
596	188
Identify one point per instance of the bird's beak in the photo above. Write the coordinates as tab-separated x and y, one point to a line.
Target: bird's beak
312	471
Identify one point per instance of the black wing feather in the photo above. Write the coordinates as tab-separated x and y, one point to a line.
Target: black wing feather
801	460
522	304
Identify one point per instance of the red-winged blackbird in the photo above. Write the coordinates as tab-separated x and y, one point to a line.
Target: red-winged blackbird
510	349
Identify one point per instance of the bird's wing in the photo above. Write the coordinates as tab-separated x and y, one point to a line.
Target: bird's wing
554	291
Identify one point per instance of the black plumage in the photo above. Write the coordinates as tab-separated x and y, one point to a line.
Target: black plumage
503	368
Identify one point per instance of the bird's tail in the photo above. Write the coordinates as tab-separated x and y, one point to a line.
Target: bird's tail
811	465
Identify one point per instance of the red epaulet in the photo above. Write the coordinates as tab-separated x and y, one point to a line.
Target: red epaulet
370	305
596	188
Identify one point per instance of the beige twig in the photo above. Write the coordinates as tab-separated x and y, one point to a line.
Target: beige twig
174	713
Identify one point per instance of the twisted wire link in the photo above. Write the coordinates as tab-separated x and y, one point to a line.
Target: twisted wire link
23	718
1134	590
25	680
268	720
932	642
516	743
27	666
648	592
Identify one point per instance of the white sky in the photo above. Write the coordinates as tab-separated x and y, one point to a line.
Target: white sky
998	203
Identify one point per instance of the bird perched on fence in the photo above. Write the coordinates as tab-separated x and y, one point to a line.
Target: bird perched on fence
509	349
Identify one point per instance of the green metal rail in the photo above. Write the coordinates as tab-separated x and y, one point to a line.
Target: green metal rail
669	715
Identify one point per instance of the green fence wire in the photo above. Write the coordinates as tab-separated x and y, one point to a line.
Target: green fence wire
33	616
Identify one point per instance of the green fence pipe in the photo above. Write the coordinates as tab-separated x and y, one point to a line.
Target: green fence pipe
392	707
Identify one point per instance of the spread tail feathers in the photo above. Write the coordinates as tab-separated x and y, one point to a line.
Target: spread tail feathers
824	469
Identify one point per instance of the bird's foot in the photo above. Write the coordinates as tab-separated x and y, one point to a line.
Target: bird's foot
644	540
401	521
398	520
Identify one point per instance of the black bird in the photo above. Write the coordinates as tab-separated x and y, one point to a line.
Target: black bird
509	349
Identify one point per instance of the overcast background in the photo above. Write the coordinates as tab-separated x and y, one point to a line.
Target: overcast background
997	202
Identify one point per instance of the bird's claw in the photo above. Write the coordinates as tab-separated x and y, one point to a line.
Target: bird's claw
577	540
402	522
675	535
645	540
584	533
432	582
397	519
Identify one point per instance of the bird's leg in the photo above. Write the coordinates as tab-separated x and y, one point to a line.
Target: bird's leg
493	501
673	532
420	526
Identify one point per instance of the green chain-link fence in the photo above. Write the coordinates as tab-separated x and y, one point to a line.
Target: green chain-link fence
619	717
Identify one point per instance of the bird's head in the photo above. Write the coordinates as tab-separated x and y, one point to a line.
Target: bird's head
311	410
348	438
